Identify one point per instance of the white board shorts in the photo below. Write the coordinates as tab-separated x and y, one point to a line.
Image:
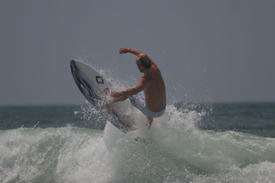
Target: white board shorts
139	102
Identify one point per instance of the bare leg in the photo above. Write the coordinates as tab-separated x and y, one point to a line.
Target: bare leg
150	121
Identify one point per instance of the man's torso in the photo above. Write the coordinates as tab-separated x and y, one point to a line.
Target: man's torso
154	91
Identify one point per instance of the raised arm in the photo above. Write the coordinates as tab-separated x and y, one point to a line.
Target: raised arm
135	52
130	50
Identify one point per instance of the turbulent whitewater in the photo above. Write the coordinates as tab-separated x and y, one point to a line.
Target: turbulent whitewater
190	143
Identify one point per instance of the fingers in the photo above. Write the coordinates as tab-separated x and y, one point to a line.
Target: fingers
123	50
114	94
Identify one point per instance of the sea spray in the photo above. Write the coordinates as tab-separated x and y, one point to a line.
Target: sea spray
179	151
201	143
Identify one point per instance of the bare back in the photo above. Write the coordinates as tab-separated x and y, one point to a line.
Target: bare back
154	90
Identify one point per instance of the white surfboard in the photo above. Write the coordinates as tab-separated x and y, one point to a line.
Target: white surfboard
96	89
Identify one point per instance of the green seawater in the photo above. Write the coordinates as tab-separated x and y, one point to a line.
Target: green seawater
190	143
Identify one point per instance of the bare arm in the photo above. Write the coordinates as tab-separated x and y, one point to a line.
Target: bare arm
130	91
130	50
135	52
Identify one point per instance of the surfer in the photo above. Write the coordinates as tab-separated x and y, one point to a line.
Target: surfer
151	83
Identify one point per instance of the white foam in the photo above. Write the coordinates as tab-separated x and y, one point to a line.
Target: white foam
176	137
177	151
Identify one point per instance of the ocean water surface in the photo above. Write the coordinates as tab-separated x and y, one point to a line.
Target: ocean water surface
190	143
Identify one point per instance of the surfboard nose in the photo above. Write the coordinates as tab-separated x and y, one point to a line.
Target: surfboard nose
72	62
73	66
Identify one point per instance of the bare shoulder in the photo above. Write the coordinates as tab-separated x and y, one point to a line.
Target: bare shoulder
152	62
143	80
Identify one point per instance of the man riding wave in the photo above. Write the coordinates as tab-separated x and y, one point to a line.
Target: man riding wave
152	84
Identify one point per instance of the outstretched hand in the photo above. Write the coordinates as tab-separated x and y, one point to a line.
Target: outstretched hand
123	50
117	97
114	94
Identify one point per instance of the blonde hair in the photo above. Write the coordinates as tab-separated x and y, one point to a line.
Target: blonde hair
143	60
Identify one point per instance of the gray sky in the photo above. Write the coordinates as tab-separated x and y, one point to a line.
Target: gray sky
207	50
